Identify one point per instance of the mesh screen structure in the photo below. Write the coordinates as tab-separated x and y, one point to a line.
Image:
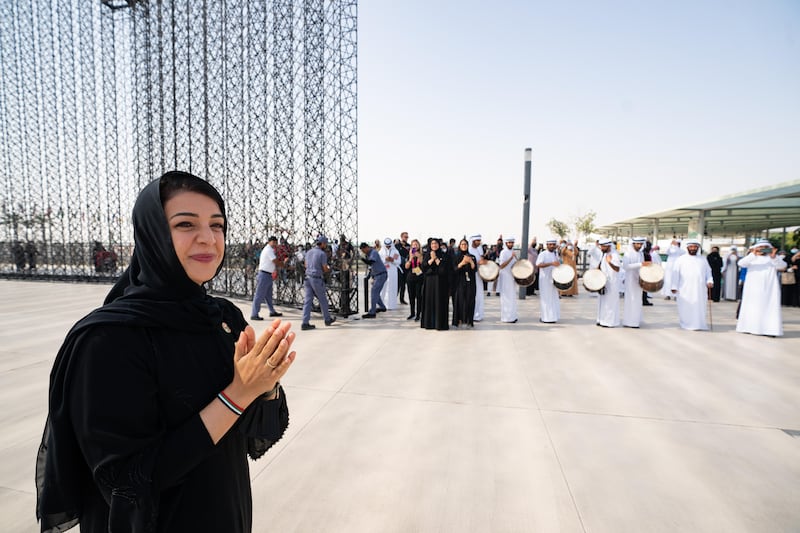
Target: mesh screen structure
99	98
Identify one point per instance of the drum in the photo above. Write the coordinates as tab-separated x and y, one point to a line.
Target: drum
651	277
489	271
563	277
594	280
523	273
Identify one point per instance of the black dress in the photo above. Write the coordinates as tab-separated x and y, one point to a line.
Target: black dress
124	448
435	292
715	262
464	291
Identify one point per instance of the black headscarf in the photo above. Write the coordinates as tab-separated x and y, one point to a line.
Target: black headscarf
155	274
154	291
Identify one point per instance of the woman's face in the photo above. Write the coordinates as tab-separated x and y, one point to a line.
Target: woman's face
463	246
196	224
434	245
415	244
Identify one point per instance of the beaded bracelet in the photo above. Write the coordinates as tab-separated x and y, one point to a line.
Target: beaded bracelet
230	404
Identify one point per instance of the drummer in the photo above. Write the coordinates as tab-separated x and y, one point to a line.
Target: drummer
631	263
608	300
549	307
476	249
506	283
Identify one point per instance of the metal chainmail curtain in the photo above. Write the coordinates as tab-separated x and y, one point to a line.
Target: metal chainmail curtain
97	99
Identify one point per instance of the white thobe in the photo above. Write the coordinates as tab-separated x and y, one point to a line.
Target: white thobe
673	253
655	257
595	255
760	312
548	293
389	291
507	287
730	277
632	310
608	302
478	254
691	275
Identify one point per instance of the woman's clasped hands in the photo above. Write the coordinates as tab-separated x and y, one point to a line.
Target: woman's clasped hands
260	364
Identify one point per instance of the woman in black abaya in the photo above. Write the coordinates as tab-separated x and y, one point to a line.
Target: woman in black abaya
436	271
464	286
157	398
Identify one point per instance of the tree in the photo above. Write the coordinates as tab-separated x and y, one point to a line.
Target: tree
559	228
585	225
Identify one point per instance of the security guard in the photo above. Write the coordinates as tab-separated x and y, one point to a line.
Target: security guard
316	264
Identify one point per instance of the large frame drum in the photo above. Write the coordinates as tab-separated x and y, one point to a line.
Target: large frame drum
523	273
563	277
651	277
594	280
488	271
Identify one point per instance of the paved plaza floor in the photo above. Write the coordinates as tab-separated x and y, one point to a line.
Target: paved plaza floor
525	427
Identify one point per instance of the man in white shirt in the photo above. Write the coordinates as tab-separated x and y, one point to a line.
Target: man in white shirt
267	270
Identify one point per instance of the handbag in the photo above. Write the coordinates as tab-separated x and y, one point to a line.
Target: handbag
787	278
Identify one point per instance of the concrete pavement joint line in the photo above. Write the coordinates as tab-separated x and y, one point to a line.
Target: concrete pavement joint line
302	428
661	419
428	400
518	353
289	441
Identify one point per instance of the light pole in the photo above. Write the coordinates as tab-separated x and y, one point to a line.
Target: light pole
526	213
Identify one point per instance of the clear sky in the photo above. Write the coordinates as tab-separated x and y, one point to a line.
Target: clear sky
630	107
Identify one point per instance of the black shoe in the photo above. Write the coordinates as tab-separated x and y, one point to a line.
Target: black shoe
368	315
647	303
275	313
416	319
331	321
307	326
409	317
380	310
256	318
403	302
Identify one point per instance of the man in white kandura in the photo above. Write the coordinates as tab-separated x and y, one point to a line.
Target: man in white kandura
476	250
608	300
631	263
730	275
506	284
548	293
391	260
760	312
691	278
673	253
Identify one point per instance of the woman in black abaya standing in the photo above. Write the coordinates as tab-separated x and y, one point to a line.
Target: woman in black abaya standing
158	397
436	270
464	286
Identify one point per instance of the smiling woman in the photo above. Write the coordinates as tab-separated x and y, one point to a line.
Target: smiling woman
157	398
197	228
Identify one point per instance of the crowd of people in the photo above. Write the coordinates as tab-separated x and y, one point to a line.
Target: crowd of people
445	288
445	282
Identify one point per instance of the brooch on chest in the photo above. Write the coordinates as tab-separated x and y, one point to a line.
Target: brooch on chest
226	328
